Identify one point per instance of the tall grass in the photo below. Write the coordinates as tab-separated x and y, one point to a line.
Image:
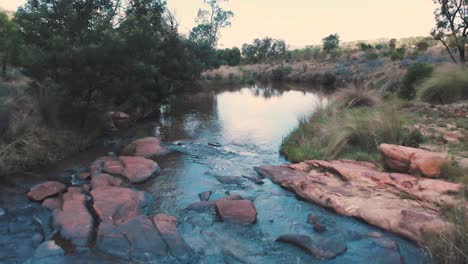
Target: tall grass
446	86
452	247
356	95
349	133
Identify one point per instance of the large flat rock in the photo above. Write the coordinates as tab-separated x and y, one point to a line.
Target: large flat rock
400	203
136	239
145	147
46	189
118	205
135	169
318	247
167	227
238	211
73	219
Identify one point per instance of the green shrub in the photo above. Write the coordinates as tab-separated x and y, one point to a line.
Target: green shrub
342	133
398	54
446	86
416	73
372	56
280	72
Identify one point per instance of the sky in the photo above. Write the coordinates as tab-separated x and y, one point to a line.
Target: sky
305	22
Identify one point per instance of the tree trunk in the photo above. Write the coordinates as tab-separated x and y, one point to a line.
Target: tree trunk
461	52
4	66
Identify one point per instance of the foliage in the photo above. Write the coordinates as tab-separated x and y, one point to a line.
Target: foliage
445	86
231	57
415	74
452	27
451	247
398	54
331	43
422	45
264	49
357	95
392	44
365	47
10	43
307	53
210	22
337	133
278	73
372	56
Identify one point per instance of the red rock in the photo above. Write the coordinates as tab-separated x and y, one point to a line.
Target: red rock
52	203
361	191
104	180
73	219
135	169
136	239
167	227
318	247
412	160
118	205
146	147
45	189
207	206
239	211
84	175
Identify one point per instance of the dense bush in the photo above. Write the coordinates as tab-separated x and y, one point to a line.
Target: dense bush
262	50
445	86
231	57
415	74
280	72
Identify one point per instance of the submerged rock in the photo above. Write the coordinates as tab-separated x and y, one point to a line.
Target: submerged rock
46	189
399	203
239	211
135	169
205	196
167	227
105	180
118	205
136	239
229	179
48	253
214	144
52	203
318	227
209	206
73	220
146	147
254	180
318	247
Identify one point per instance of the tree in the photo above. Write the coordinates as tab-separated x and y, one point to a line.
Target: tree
210	22
331	43
9	42
392	44
264	49
422	45
452	27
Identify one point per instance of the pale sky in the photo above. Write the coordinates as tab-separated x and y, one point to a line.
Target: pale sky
303	22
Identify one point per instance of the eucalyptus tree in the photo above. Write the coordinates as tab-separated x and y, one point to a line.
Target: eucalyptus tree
452	27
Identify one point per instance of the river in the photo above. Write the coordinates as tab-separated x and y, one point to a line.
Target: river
249	125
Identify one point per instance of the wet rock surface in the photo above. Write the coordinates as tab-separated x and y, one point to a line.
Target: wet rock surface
73	220
135	169
238	211
46	189
318	247
167	227
48	253
146	147
359	190
118	205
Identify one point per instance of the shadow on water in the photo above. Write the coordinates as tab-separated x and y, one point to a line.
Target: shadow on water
249	125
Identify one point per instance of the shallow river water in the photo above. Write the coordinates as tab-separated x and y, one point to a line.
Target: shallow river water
249	125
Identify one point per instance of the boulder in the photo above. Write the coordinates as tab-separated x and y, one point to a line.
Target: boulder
167	227
209	206
48	253
137	238
105	180
238	211
146	147
52	203
46	189
135	169
84	175
413	160
318	247
118	205
73	220
404	204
